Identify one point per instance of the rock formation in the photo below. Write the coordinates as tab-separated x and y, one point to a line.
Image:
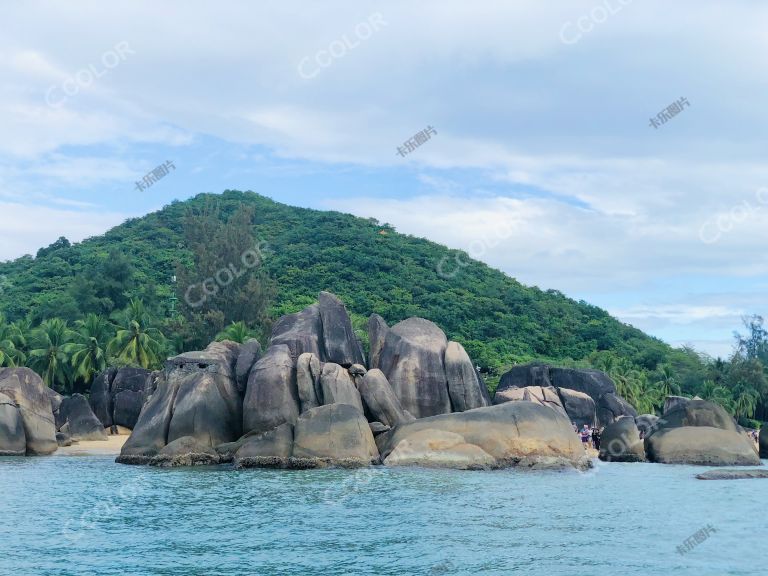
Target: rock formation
620	442
764	442
24	396
75	419
118	395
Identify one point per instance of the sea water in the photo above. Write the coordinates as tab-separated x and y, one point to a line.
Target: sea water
69	515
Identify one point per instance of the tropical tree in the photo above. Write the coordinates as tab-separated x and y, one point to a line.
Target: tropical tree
746	403
48	356
136	341
21	335
9	354
88	348
236	332
666	383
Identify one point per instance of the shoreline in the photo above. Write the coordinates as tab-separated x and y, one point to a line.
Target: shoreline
110	447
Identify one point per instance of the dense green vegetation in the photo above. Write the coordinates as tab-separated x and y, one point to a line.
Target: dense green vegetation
174	279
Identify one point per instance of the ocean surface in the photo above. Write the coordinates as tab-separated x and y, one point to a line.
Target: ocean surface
69	515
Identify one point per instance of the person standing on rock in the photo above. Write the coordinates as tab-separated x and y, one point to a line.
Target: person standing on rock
596	438
585	434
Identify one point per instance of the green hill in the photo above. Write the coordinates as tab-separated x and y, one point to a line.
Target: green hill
368	264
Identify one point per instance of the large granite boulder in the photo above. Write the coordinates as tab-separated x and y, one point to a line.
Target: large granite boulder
579	406
28	392
412	360
509	434
207	406
465	387
609	405
764	442
546	396
150	434
377	333
185	451
674	402
620	442
300	332
700	445
272	396
334	434
271	449
380	400
700	432
76	419
308	371
340	344
13	440
117	396
647	423
338	387
249	354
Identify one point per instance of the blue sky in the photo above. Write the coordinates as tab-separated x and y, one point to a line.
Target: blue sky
544	163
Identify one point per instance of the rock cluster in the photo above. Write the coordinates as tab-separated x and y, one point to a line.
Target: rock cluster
118	395
309	400
586	396
27	425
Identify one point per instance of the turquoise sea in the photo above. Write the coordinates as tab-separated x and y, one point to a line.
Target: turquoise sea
68	515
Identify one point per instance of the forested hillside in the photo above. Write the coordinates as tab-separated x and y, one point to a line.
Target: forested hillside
144	280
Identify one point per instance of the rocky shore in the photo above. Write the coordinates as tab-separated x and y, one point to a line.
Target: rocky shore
312	399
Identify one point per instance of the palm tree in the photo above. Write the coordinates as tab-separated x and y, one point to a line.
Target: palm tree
47	355
666	382
136	341
236	332
88	350
746	404
9	354
21	334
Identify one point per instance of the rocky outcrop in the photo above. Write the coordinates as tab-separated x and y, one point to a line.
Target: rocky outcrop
340	344
76	419
510	434
620	442
271	449
380	400
377	333
674	402
412	360
763	442
647	423
700	432
27	391
338	388
465	387
272	396
300	332
609	406
117	396
13	440
732	474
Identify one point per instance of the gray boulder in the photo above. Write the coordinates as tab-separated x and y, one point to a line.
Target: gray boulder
377	333
524	375
27	390
579	406
126	407
732	474
272	397
308	370
207	406
151	432
13	440
620	442
700	445
247	356
338	387
699	413
674	402
82	425
266	449
100	397
63	439
117	396
543	396
185	451
412	361
334	434
611	407
339	341
300	332
764	442
510	434
380	400
465	387
647	423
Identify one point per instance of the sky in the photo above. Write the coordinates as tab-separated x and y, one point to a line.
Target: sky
613	150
